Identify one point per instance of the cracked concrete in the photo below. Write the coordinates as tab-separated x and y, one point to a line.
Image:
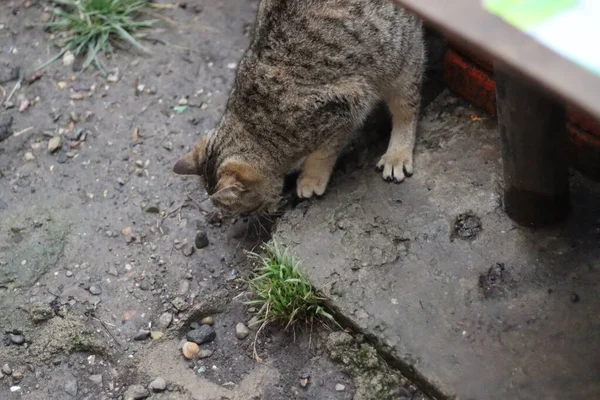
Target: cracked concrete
503	313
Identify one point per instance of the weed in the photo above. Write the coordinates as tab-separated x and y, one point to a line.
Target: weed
93	27
282	294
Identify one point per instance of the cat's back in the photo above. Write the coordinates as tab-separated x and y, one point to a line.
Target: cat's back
317	39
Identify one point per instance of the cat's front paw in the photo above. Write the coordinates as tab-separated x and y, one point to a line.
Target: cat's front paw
396	163
308	186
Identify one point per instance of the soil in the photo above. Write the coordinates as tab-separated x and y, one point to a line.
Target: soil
97	236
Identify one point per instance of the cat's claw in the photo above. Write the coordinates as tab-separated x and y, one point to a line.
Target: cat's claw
309	186
396	164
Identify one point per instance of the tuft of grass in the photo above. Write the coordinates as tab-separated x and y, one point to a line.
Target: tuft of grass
92	27
282	294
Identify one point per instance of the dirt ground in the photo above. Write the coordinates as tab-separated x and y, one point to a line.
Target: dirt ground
97	236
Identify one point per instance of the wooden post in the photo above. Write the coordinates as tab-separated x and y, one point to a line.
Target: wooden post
532	128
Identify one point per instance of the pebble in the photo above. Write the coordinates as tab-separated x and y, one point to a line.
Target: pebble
29	156
142	334
188	249
95	290
202	335
18	374
136	392
62	157
158	385
339	387
112	270
68	58
54	144
17	339
241	331
71	387
201	240
97	379
152	208
205	353
574	298
179	304
68	273
164	321
208	321
190	350
6	369
183	287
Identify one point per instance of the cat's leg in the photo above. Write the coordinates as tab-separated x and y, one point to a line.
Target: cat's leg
318	166
403	102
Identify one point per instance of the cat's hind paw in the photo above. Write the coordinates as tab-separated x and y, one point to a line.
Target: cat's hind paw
396	164
311	185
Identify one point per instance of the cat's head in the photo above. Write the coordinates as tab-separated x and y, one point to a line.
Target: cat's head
234	185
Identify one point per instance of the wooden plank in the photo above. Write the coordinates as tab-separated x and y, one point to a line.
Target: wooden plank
532	128
466	21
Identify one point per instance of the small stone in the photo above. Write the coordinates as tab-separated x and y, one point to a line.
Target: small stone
112	270
254	323
136	392
208	321
158	385
156	335
574	298
304	380
152	208
190	350
95	290
68	58
96	379
202	335
6	369
29	156
145	285
188	249
180	304
205	353
70	387
54	144
62	157
339	387
183	287
18	374
68	273
17	339
142	334
241	331
164	321
201	240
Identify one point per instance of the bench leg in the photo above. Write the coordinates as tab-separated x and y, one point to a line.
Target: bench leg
532	128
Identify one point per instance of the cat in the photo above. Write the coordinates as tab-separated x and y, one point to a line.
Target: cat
314	71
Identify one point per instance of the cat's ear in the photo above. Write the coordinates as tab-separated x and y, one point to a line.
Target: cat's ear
235	177
189	164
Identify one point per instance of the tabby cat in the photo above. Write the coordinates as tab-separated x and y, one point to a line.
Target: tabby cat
314	71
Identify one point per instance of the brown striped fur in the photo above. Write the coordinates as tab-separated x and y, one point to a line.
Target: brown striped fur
313	72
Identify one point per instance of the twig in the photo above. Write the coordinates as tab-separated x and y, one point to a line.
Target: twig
17	87
19	133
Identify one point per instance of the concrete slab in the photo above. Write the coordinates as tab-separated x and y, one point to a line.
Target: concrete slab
434	271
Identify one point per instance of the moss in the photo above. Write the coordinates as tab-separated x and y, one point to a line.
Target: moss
64	336
373	378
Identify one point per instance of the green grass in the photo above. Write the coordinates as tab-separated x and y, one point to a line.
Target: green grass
282	294
92	27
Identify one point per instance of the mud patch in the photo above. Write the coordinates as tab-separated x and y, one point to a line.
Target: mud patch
467	226
496	282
